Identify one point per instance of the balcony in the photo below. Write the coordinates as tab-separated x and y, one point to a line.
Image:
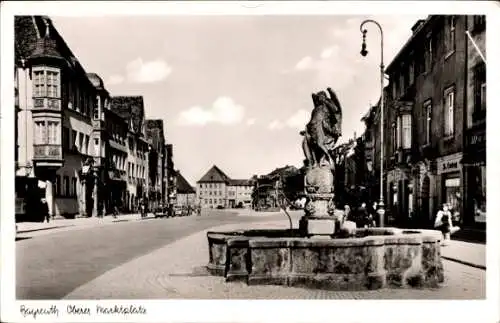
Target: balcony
50	104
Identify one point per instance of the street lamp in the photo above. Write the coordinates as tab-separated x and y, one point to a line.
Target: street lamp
364	52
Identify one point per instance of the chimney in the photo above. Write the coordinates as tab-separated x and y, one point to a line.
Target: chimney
417	25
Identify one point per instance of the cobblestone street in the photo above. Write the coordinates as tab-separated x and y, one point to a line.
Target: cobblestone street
153	276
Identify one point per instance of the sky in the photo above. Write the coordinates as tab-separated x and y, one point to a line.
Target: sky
235	91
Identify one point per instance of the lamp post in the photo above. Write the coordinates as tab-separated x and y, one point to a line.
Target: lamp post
364	52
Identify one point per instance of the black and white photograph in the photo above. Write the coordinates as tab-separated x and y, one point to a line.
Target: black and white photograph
261	151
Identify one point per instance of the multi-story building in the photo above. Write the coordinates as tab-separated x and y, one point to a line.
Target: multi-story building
424	120
239	193
211	189
155	134
186	194
115	138
79	148
131	108
170	173
475	124
56	100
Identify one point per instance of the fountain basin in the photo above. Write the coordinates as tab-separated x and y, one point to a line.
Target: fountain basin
375	258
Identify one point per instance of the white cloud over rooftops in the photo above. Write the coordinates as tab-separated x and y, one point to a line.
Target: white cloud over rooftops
223	111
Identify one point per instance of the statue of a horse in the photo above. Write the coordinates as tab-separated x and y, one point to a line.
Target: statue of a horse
323	130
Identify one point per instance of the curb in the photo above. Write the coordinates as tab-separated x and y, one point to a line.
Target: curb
43	229
463	262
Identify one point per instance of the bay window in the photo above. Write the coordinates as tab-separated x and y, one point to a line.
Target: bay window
449	111
46	82
47	132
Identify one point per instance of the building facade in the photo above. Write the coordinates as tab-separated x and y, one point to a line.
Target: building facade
186	194
76	146
155	134
433	124
474	163
211	189
239	193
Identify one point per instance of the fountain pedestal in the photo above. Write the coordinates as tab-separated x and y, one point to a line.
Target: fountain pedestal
319	219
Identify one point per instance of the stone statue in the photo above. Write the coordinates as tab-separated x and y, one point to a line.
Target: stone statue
320	136
323	130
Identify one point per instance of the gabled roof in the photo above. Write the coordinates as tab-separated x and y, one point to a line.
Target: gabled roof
154	132
183	187
215	174
130	108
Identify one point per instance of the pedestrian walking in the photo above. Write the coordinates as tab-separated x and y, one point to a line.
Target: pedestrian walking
45	210
444	222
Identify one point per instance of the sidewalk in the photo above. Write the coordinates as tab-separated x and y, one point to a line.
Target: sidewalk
467	253
26	227
173	273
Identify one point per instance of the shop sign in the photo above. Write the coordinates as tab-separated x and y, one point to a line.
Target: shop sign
449	165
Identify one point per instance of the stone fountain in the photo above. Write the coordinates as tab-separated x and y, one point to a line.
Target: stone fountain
326	251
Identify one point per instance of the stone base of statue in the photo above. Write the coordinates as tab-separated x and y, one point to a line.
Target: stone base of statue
319	220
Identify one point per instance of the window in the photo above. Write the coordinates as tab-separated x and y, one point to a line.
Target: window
86	144
96	109
402	85
58	185
52	84
449	112
53	132
398	133
46	83
66	138
40	133
429	54
96	147
81	142
411	72
74	138
406	134
427	121
451	39
73	186
38	83
394	136
66	191
479	23
394	89
479	90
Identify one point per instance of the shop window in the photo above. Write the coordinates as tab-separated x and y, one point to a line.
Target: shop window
452	190
66	191
73	186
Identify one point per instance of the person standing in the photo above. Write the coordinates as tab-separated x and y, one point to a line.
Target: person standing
45	210
444	223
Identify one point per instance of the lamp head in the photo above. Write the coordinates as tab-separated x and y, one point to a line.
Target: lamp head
364	52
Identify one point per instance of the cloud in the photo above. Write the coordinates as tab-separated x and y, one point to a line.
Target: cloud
276	125
115	79
251	121
299	119
223	111
329	52
147	72
304	63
